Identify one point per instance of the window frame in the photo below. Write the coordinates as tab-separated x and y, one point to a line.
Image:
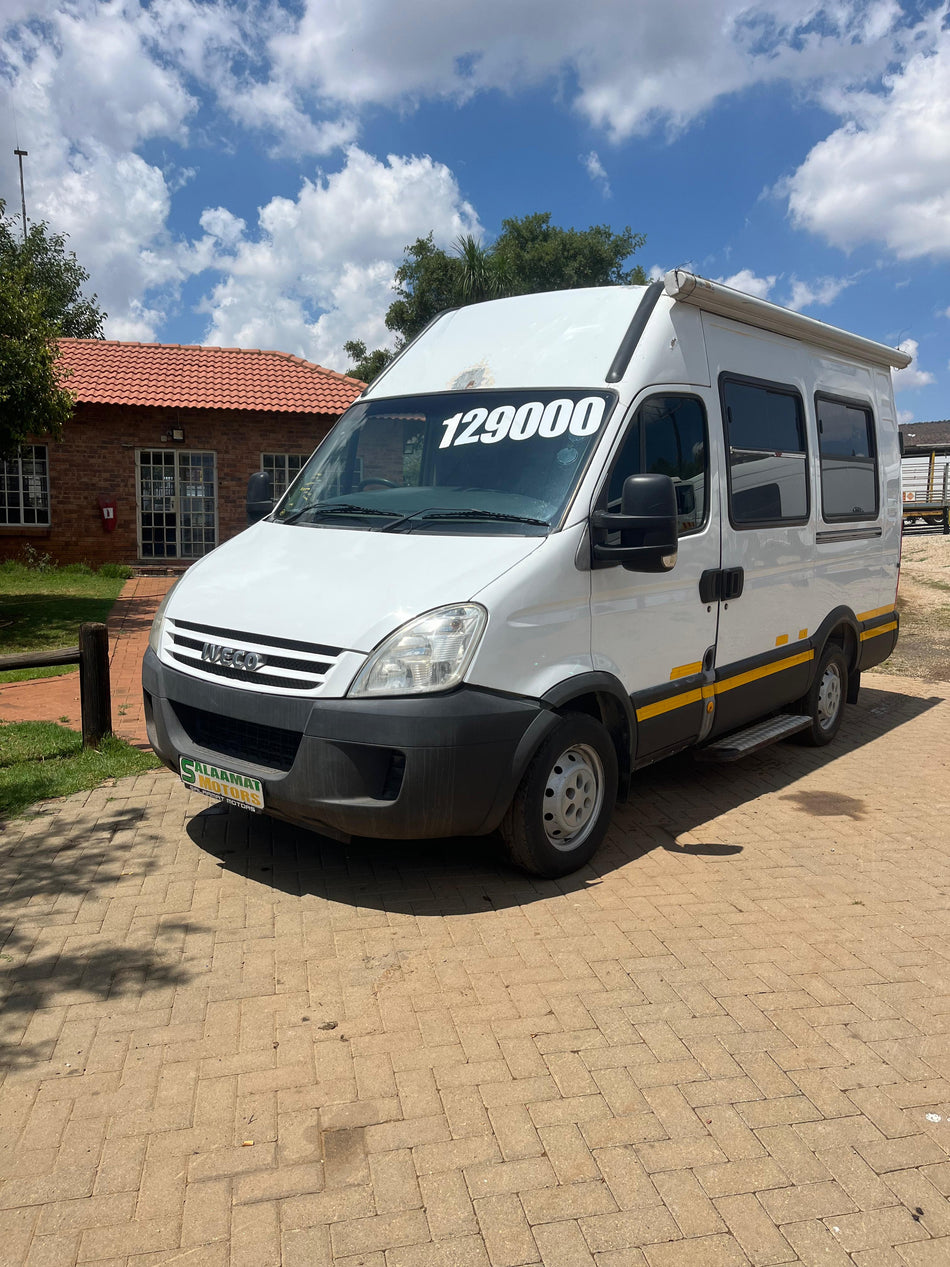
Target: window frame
45	478
304	458
782	389
868	410
603	499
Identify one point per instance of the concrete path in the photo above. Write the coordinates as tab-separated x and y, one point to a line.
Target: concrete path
57	698
728	1042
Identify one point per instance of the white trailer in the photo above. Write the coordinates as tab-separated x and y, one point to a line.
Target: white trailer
925	489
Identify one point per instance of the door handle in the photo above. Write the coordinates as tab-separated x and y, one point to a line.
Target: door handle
721	584
733	580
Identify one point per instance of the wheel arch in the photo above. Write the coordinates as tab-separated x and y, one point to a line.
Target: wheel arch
602	696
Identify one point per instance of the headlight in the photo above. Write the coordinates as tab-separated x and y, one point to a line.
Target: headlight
430	653
155	633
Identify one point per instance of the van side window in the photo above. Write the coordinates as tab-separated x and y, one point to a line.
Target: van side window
667	437
768	459
849	483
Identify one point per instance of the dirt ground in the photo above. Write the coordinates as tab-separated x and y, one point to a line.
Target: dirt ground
923	600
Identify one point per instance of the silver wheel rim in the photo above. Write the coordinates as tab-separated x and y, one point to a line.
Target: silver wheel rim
573	796
829	697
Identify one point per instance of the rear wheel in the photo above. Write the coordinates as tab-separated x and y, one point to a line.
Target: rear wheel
824	703
561	810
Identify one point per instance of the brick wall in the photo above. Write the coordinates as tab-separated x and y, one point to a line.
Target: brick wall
97	457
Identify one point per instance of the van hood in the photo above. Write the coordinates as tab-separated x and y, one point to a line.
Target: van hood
340	587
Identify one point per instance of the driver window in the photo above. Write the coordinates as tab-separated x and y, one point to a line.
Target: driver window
667	437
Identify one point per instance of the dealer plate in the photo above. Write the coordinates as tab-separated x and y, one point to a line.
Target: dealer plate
222	785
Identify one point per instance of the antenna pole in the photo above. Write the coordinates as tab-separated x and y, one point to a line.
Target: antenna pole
21	155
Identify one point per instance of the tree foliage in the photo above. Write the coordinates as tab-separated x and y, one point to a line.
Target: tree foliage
529	255
32	402
54	275
366	365
40	300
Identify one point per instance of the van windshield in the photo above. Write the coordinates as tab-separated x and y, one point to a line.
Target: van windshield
460	462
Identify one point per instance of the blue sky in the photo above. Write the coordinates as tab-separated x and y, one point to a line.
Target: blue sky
248	174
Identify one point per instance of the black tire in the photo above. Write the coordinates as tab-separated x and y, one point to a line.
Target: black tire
563	805
825	701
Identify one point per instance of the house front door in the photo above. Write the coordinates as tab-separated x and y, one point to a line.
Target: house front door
177	504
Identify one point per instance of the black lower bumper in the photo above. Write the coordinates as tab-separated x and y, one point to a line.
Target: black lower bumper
439	765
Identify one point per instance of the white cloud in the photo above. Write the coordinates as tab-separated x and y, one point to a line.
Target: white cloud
634	65
904	416
819	293
882	176
911	377
319	270
596	171
745	280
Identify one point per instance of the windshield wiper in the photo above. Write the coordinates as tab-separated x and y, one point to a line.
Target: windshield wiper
340	508
485	514
435	513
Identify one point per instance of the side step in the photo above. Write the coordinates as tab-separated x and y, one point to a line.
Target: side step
742	742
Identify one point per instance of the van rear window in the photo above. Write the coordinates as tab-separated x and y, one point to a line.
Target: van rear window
849	481
768	457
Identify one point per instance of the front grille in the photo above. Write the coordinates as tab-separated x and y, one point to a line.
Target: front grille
243	740
285	664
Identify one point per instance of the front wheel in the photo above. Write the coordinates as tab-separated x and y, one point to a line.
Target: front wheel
561	810
824	703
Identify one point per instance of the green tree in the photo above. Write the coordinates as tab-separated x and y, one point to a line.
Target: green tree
52	273
529	255
366	365
32	401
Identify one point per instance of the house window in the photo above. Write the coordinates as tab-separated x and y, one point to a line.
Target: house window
768	458
849	487
24	487
282	469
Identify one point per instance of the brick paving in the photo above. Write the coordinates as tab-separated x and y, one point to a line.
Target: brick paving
229	1042
57	698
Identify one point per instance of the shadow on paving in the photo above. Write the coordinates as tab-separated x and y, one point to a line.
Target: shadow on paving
55	883
466	874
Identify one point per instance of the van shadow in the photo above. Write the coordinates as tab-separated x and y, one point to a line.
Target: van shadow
668	806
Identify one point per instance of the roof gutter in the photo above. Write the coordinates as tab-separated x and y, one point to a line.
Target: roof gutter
723	301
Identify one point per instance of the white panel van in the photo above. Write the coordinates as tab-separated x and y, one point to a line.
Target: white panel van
560	537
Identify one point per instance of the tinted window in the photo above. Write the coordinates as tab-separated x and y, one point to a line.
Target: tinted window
768	473
849	487
667	437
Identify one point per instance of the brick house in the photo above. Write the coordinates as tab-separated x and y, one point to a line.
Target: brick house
153	466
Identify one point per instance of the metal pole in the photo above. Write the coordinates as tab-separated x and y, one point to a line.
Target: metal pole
21	155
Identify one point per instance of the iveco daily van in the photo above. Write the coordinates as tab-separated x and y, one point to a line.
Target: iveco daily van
560	537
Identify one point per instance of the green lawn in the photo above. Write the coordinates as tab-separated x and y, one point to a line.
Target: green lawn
42	608
39	760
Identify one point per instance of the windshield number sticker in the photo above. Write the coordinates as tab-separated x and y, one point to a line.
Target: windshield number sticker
479	426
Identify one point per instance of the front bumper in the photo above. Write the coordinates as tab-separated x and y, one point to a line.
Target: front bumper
410	768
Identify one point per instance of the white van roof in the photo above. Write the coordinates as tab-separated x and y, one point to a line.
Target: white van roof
585	338
722	300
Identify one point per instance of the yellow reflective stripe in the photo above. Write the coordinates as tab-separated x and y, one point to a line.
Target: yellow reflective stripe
685	670
667	705
881	629
753	675
878	611
802	634
727	684
781	640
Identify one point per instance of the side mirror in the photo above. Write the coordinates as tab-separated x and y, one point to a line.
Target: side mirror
900	442
647	524
260	497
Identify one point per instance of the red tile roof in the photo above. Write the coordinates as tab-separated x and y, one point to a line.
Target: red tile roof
181	377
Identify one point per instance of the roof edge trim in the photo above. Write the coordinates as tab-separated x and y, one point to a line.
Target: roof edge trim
723	301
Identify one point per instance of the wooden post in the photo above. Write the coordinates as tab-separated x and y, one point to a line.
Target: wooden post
94	688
